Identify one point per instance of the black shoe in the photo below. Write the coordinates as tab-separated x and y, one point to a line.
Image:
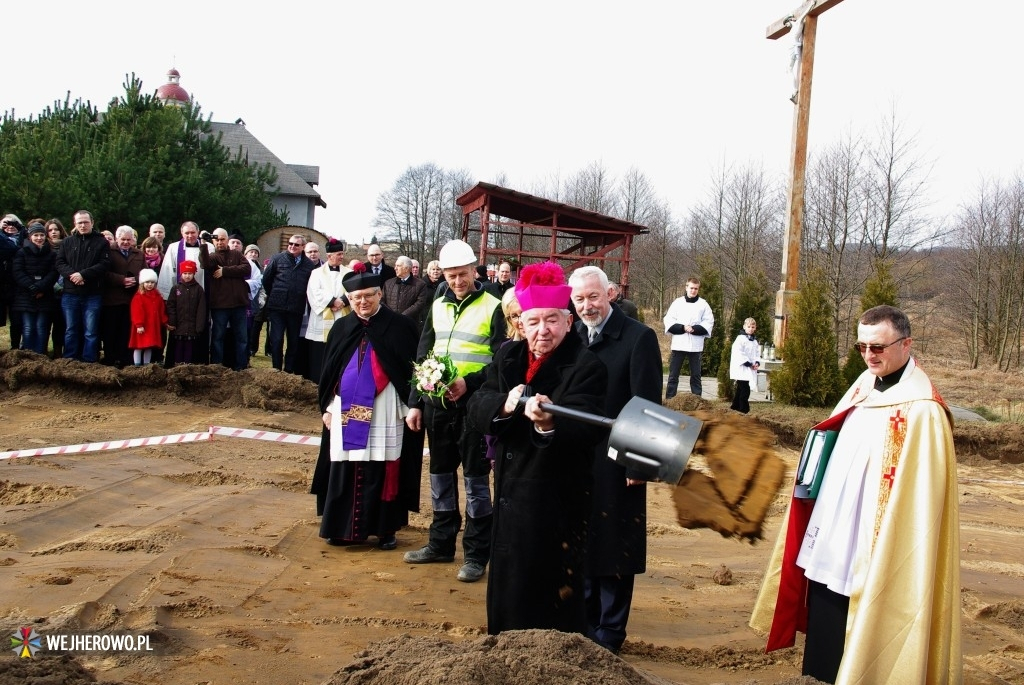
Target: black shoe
338	542
470	572
388	542
426	555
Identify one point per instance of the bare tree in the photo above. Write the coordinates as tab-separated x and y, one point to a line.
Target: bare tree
419	212
986	281
894	190
1012	297
657	257
739	227
834	240
865	208
591	188
637	199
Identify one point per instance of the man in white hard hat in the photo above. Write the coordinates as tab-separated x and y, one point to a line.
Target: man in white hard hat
466	324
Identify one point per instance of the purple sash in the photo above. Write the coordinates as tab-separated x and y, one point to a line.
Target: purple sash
181	258
357	388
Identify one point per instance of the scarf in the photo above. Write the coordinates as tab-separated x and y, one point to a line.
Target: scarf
534	366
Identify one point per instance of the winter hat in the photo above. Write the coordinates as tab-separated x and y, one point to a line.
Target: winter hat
542	286
147	276
359	279
188	267
251	247
36	228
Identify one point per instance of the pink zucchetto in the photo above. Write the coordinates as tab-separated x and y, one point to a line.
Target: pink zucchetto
542	286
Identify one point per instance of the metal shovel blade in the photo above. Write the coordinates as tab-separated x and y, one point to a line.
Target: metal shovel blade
653	440
646	437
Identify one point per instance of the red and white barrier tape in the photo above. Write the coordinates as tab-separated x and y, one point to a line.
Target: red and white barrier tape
265	435
165	440
108	445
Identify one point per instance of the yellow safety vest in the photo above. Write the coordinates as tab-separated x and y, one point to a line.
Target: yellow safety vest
462	330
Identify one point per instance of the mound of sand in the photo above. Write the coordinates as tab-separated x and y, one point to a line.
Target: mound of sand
518	657
61	670
211	385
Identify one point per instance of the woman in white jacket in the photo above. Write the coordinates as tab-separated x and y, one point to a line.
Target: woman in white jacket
743	365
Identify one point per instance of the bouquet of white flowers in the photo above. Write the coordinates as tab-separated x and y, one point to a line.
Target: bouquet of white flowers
434	375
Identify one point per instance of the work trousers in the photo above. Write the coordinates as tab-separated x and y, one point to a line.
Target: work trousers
452	444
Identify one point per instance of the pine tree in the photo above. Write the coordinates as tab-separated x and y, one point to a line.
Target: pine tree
141	162
880	289
810	376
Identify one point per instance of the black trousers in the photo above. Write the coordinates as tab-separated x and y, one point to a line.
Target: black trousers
675	365
608	600
115	330
826	632
741	397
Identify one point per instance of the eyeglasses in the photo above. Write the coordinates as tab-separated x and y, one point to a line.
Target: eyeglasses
876	349
295	244
515	317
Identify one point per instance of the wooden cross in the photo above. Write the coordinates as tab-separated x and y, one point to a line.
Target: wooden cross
809	10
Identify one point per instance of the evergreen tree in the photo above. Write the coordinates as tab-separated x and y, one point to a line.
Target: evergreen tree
139	163
753	299
880	289
810	376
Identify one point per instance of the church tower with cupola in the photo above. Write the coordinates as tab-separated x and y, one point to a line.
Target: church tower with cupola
171	93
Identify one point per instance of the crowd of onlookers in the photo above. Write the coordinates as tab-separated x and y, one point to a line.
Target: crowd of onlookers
107	297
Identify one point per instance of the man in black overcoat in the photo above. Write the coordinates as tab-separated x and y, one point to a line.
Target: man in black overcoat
542	470
617	549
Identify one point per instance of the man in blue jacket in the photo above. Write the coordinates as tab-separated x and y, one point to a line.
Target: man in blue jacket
285	280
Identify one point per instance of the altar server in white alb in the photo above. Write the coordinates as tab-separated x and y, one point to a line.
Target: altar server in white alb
327	304
689	321
744	363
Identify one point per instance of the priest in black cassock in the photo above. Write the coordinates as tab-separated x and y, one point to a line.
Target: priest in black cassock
368	472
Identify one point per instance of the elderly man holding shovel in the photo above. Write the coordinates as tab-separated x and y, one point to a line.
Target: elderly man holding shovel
543	468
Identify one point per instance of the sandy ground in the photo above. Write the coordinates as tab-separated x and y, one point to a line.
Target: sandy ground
211	549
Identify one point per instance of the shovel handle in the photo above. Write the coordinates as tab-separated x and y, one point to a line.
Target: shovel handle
568	413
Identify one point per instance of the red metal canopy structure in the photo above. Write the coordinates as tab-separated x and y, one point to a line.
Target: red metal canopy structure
523	228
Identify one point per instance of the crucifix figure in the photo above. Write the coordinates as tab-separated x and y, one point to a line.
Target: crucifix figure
803	22
797	21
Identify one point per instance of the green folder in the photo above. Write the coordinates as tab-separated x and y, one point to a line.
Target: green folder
813	460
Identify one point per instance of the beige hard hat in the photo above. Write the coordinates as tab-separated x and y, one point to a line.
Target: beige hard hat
456	253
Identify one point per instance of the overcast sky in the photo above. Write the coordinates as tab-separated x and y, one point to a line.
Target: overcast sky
539	89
